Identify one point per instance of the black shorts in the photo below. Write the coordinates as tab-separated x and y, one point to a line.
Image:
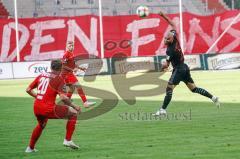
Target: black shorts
180	73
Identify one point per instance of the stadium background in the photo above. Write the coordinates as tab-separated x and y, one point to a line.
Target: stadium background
45	26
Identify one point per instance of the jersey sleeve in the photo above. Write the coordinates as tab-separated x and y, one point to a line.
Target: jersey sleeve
34	83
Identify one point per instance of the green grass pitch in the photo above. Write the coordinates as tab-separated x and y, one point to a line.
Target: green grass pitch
204	133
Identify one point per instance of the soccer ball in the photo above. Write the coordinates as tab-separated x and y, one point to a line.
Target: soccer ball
142	11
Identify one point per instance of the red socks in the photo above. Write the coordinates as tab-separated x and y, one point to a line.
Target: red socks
35	135
70	127
38	131
82	94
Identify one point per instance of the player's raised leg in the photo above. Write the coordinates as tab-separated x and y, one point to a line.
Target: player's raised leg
203	92
81	93
73	85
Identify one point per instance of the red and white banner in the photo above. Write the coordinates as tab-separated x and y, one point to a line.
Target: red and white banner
45	38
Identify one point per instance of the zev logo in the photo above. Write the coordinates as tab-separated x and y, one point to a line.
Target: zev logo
38	67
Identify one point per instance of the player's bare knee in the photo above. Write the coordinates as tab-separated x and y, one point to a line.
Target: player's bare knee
77	84
191	86
72	111
170	88
71	88
78	87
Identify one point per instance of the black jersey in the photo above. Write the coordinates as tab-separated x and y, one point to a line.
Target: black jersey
174	54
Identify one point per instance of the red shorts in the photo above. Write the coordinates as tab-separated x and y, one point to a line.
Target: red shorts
50	111
69	78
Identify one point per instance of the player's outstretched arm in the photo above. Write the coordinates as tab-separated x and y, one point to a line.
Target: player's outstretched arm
165	17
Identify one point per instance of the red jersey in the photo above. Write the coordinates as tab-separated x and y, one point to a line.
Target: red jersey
68	62
48	87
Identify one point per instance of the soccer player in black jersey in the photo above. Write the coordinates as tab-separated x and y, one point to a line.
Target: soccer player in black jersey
180	71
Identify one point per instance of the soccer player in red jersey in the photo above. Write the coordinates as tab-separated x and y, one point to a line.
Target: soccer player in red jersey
67	73
49	85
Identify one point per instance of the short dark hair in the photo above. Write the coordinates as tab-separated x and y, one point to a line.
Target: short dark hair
56	65
174	32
